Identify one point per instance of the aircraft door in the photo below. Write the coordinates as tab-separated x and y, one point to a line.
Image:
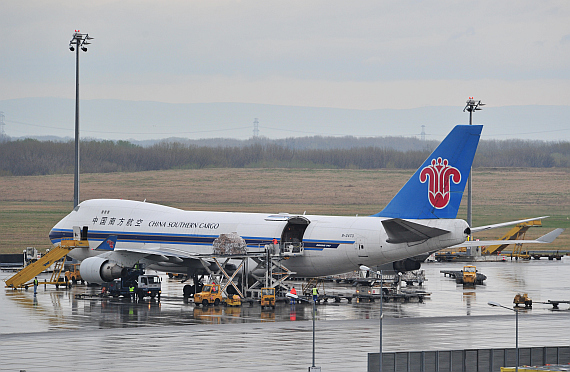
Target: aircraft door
360	246
292	236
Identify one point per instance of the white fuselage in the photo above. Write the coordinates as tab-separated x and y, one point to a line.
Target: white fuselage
332	244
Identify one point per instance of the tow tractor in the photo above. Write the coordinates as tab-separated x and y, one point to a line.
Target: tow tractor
212	295
73	275
144	285
469	276
268	297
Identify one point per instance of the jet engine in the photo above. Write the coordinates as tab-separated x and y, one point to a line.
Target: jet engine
100	270
409	264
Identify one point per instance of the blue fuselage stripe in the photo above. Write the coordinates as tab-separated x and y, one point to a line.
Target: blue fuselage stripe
57	234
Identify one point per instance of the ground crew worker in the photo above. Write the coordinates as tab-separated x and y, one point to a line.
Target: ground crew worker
132	292
293	292
36	285
315	294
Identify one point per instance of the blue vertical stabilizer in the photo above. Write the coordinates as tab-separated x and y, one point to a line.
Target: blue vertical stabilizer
436	189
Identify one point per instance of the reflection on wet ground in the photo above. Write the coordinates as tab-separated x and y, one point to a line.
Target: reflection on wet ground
175	333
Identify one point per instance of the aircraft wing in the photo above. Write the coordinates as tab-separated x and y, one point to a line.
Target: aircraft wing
158	254
545	239
402	231
503	224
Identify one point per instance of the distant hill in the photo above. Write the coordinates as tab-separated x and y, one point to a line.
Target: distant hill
142	121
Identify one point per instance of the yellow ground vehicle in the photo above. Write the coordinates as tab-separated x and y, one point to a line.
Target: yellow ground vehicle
267	297
234	300
176	275
522	300
469	275
211	294
73	275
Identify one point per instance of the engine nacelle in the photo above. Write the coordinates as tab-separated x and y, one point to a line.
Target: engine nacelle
99	270
406	265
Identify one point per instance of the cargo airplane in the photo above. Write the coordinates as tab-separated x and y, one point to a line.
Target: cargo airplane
421	218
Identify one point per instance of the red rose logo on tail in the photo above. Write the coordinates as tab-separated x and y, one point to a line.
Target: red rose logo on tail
440	174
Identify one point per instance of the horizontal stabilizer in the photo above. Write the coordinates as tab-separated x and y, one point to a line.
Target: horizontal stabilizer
549	238
503	224
402	231
107	244
545	239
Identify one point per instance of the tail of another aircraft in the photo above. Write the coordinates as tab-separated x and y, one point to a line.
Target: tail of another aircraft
436	189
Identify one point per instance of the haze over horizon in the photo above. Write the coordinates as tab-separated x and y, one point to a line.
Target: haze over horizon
208	69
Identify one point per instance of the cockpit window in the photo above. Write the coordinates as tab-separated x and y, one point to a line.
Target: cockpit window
76	208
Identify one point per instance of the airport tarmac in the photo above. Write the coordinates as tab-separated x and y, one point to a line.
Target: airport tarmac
55	331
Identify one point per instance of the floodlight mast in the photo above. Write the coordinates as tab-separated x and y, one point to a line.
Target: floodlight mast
78	41
496	304
472	105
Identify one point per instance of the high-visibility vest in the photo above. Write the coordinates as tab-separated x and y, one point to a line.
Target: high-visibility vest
315	292
35	282
131	289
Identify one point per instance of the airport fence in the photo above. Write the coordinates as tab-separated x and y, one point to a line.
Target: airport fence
468	360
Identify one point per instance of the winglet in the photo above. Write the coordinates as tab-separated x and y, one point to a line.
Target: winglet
549	238
107	244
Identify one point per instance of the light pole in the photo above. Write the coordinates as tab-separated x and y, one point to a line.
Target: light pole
313	368
78	41
366	268
492	303
471	106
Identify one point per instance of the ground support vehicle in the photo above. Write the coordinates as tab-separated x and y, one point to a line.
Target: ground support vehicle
144	285
469	276
268	297
73	275
211	295
234	300
522	300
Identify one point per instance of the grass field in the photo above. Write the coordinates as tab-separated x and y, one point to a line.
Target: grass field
30	206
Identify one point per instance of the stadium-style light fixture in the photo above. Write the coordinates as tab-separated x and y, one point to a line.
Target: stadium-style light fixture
472	105
78	41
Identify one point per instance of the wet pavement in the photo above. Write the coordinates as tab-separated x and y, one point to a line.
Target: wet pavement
53	330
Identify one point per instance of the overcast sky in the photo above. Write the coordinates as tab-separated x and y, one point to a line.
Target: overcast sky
341	54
